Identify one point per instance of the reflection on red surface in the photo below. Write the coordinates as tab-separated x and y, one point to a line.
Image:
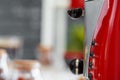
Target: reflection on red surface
106	62
74	55
20	78
77	4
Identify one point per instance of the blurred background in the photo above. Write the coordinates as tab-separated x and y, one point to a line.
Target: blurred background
42	30
20	21
20	27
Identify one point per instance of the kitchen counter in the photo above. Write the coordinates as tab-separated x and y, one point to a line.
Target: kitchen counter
57	74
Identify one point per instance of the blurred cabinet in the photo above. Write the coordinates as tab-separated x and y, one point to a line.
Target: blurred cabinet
21	18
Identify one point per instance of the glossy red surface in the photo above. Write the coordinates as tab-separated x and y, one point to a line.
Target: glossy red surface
77	4
106	61
73	55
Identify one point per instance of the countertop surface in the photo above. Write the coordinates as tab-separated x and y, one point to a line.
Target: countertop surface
58	74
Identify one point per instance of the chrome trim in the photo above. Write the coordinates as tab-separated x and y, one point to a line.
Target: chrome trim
92	11
88	0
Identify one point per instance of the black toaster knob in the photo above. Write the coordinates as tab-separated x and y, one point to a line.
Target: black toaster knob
76	66
75	13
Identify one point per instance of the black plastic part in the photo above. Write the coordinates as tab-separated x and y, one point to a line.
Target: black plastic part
73	66
90	76
75	13
93	43
91	54
90	65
